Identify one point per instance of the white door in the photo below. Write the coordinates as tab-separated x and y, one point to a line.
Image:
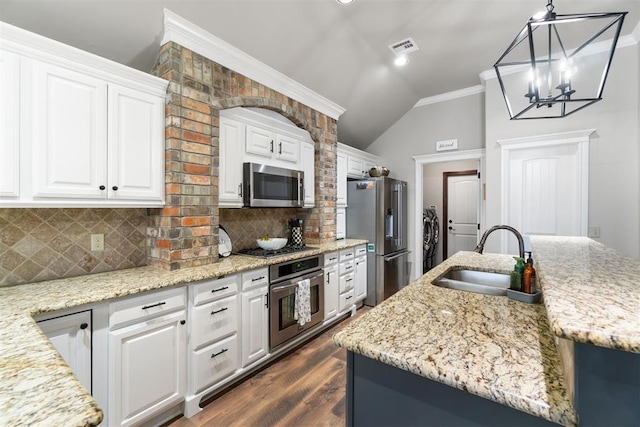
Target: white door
9	124
255	325
341	172
232	137
147	368
260	142
135	145
69	133
547	188
341	223
462	213
71	336
360	278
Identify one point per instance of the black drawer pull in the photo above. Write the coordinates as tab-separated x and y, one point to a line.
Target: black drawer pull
258	278
102	187
224	350
84	325
114	188
349	297
153	305
219	289
349	267
220	311
348	280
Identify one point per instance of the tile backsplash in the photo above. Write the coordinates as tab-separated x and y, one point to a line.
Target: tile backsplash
46	244
244	226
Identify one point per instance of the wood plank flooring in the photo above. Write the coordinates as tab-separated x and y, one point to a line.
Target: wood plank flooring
304	388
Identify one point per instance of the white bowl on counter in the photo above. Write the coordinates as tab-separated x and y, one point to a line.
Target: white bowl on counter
272	244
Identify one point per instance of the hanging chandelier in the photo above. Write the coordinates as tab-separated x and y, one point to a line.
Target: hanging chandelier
542	77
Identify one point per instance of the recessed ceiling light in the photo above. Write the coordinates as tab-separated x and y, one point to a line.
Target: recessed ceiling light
344	1
401	60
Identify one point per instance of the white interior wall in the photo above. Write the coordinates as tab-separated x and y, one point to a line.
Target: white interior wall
432	194
416	134
614	196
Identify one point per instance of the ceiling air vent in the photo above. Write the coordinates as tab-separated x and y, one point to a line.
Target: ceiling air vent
404	46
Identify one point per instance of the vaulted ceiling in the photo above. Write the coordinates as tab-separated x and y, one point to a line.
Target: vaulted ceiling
340	52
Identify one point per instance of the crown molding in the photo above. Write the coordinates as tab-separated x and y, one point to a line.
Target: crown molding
473	90
189	35
34	46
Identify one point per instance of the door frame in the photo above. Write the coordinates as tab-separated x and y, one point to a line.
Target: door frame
580	139
445	206
420	161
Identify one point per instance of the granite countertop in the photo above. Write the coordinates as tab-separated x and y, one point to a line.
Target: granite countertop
490	346
36	385
591	292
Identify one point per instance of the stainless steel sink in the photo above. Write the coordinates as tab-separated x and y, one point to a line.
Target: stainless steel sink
480	282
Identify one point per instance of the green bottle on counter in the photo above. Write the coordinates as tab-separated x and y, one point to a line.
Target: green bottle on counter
516	274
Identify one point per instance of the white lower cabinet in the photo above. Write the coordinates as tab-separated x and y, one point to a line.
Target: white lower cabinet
341	223
331	280
71	336
214	328
147	356
346	283
255	325
360	273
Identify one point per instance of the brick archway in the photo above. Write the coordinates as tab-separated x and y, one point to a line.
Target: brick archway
185	232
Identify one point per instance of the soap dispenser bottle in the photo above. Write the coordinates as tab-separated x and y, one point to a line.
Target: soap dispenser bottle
528	281
516	274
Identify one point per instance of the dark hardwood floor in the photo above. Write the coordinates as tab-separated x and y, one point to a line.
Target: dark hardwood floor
304	388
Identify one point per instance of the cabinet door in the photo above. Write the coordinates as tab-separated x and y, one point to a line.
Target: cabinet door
307	164
355	166
69	125
9	124
135	145
147	368
232	141
287	149
255	325
260	142
331	292
361	278
341	223
71	336
341	184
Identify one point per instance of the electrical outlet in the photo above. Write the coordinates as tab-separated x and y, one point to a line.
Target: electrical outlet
97	242
594	231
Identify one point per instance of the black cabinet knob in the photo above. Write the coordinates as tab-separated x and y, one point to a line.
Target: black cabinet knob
114	188
84	325
102	187
182	322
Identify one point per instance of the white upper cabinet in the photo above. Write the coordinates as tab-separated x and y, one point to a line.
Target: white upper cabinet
260	141
69	124
9	124
135	149
78	130
268	144
307	160
287	149
232	137
358	162
341	176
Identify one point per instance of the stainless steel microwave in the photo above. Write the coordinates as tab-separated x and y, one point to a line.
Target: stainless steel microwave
272	187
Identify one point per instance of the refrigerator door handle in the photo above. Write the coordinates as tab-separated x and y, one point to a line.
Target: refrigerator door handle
400	197
391	258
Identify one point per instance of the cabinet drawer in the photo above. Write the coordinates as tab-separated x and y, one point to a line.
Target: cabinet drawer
255	278
213	363
361	251
346	300
347	254
346	282
331	258
146	306
215	320
210	290
346	267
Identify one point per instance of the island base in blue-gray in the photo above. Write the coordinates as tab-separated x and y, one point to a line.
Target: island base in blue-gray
382	395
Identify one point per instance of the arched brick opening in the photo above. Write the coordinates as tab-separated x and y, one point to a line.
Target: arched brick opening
185	232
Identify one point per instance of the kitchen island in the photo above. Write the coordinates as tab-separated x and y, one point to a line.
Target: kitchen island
436	356
37	388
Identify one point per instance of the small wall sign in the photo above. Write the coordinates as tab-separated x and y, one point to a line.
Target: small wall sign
446	145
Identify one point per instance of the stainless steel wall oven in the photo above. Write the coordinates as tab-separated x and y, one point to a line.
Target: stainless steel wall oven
283	281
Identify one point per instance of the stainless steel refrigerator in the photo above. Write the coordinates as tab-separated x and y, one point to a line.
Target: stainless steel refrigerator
377	211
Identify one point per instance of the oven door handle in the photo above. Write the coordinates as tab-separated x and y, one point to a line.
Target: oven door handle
294	282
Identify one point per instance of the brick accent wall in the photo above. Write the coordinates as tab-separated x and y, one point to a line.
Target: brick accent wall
185	232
